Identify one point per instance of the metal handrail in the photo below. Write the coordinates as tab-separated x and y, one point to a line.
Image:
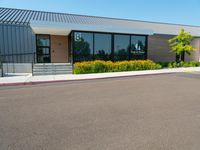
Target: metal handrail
17	54
16	58
10	57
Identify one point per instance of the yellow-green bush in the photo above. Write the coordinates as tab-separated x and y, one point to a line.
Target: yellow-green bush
181	64
100	66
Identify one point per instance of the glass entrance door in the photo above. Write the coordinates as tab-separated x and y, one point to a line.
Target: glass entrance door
43	49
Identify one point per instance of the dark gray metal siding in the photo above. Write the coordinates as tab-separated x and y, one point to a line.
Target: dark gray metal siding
20	16
17	43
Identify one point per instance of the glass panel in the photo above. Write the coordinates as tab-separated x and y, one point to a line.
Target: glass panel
102	48
121	47
83	46
42	51
43	40
138	47
43	58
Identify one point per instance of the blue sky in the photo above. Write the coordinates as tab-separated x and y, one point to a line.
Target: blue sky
169	11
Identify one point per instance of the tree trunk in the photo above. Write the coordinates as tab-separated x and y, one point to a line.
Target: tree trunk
178	58
183	56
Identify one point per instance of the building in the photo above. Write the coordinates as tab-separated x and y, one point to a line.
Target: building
28	36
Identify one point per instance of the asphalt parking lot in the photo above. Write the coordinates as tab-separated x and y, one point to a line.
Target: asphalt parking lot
160	112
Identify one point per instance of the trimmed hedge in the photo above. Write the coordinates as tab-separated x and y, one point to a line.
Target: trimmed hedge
181	64
100	66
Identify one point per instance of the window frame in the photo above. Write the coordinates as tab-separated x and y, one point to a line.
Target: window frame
38	46
146	45
73	44
128	50
112	43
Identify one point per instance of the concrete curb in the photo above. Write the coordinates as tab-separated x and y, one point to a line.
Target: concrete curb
74	80
41	80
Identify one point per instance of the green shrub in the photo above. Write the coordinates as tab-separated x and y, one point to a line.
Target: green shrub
164	64
181	64
100	66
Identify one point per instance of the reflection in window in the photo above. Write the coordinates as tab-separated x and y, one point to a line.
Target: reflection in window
92	46
121	47
42	51
83	46
138	47
43	40
43	58
102	46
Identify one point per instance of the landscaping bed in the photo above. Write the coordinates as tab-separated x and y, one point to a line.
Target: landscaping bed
181	64
100	66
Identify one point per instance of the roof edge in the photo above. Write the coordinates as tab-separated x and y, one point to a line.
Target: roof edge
173	24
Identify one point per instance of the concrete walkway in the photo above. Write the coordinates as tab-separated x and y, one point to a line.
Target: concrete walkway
28	79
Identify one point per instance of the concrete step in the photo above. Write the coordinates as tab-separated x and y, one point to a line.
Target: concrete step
52	69
63	67
50	72
52	66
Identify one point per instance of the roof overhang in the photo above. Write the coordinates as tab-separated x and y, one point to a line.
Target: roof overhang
57	28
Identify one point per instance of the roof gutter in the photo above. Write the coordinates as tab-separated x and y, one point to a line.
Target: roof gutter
59	28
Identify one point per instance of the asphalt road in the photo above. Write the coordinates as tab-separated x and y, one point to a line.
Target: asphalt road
160	112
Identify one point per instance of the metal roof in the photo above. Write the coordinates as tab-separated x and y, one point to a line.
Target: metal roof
25	17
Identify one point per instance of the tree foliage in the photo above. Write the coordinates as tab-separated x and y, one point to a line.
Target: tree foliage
182	43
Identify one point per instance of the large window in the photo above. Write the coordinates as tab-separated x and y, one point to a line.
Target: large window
138	47
43	48
102	46
83	46
121	47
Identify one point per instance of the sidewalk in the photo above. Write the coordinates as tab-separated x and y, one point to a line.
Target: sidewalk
28	79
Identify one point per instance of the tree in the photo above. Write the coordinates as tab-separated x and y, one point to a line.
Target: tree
181	44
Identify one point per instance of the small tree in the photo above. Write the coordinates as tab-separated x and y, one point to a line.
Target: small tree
181	44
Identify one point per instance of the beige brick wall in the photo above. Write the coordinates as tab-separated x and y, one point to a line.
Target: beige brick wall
195	55
159	50
59	49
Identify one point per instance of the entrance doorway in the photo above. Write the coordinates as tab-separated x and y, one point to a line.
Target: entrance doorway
43	49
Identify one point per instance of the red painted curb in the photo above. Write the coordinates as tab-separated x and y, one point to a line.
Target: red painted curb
30	83
59	81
